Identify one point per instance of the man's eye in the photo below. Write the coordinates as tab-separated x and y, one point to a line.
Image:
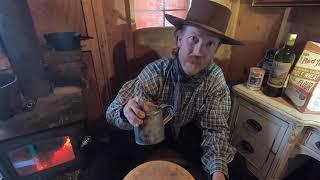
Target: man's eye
210	44
194	39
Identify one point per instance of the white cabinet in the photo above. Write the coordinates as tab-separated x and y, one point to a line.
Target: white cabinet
267	131
257	136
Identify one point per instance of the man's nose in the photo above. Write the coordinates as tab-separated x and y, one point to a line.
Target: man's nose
198	49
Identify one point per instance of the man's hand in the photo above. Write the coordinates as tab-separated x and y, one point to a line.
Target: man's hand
218	176
134	113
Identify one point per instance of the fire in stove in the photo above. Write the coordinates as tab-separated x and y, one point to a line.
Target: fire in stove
33	158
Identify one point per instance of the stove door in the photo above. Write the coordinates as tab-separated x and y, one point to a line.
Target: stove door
38	156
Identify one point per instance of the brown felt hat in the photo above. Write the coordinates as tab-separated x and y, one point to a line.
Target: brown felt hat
207	15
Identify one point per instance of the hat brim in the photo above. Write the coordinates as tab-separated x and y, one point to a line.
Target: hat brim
178	22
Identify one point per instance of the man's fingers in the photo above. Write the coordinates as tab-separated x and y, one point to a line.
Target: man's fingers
140	101
146	106
131	116
133	119
137	110
149	106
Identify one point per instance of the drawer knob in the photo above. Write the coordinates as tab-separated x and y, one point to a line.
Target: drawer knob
254	125
318	144
245	147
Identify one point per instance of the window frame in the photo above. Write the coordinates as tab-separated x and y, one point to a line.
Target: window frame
164	11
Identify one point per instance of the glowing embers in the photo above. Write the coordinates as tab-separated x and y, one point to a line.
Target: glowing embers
36	157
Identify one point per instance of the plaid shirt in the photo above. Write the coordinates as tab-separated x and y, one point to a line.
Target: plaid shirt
208	104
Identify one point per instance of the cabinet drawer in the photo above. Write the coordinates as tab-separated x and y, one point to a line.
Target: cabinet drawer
312	140
257	133
254	153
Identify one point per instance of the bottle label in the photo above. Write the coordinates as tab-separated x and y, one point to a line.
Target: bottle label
278	74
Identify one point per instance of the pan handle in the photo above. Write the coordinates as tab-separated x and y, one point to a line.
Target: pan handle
85	37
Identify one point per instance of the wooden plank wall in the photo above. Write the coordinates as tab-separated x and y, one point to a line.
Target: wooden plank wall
96	22
110	28
305	22
118	18
57	16
258	28
61	16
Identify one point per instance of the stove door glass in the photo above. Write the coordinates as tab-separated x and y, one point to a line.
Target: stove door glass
41	155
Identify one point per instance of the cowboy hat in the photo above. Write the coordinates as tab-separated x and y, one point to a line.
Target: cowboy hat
208	15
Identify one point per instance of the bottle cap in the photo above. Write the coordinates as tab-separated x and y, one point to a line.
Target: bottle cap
291	39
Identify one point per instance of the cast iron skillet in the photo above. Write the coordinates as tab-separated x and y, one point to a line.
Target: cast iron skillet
65	41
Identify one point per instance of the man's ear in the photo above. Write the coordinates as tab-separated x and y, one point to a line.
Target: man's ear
178	35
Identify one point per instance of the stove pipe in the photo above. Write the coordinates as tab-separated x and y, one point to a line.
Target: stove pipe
19	38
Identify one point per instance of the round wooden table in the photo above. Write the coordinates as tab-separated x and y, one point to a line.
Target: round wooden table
159	170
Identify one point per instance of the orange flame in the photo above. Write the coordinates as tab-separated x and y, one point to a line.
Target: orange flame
62	155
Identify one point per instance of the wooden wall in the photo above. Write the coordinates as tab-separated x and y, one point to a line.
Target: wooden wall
112	29
305	22
61	16
119	19
57	16
258	28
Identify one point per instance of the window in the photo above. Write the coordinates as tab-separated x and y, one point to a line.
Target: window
150	13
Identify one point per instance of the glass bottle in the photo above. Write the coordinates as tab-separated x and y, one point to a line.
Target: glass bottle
281	65
266	64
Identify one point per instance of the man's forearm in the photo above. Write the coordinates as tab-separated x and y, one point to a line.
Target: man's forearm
113	116
214	164
217	151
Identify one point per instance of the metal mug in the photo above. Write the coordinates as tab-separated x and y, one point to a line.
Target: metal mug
152	130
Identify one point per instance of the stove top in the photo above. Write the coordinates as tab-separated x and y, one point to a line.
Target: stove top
62	107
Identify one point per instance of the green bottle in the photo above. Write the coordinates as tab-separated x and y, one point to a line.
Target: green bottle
281	65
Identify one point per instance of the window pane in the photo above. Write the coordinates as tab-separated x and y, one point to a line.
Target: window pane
180	14
177	4
148	4
149	19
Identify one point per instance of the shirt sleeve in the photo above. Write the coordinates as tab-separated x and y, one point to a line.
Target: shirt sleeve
146	85
217	151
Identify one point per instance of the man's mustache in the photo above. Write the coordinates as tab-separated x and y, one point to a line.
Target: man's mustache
195	56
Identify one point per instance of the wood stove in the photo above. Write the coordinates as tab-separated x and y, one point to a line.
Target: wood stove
44	142
40	155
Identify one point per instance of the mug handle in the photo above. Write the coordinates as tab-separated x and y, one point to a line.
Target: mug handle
170	110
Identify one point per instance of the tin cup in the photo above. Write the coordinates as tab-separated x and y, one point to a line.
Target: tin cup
255	78
152	131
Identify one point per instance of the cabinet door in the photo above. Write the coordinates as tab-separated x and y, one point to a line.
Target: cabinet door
257	135
312	140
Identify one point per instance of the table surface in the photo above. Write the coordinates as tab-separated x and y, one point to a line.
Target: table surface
159	170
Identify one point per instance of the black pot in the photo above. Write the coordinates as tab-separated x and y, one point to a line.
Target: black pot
65	41
9	95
